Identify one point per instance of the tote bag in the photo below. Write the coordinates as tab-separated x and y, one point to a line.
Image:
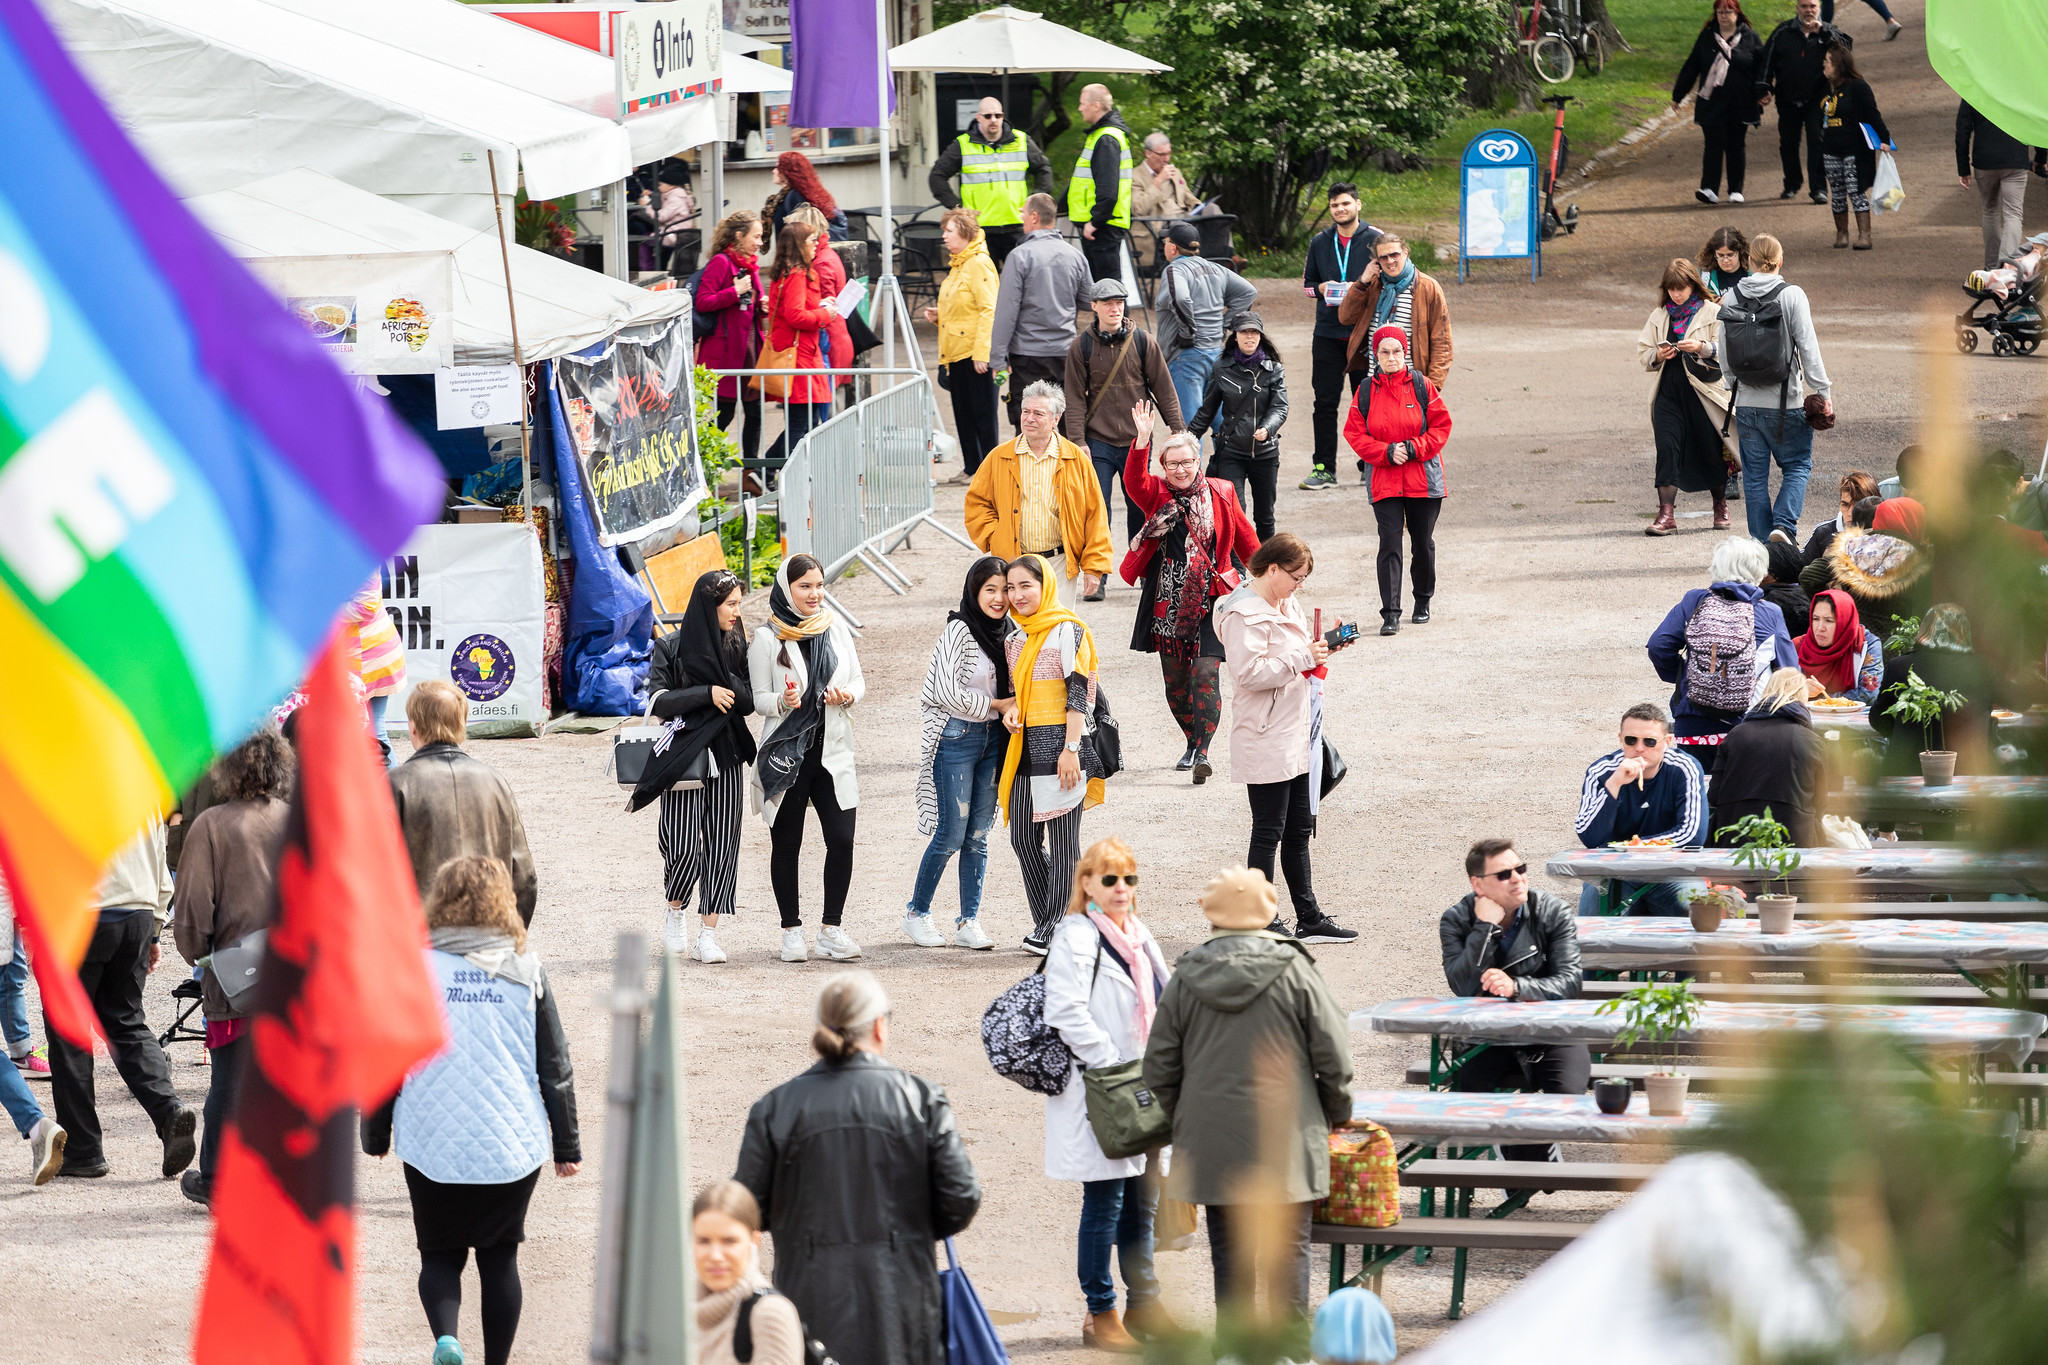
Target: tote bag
775	386
970	1337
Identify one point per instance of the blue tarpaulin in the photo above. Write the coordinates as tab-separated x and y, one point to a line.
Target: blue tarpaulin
610	631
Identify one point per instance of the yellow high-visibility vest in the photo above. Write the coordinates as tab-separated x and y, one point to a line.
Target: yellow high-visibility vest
1081	189
994	181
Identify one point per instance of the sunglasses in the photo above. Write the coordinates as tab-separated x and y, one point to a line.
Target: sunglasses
1508	874
1630	741
1389	256
1129	879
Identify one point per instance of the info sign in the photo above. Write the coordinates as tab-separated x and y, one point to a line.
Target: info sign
1497	201
666	53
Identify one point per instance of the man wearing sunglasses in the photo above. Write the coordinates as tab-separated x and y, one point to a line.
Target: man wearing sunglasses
1512	942
1392	290
1646	789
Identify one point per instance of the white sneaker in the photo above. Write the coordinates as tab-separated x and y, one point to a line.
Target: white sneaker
969	934
45	1150
1706	196
1778	534
920	931
1735	198
834	944
675	931
706	948
793	947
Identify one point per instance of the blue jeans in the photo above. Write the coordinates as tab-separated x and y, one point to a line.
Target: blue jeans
378	706
965	768
1117	1214
14	998
1667	899
21	1106
1760	439
1108	458
1191	371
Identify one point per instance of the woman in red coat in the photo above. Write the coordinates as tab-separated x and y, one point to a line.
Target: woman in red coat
729	290
830	269
1398	426
797	316
1187	551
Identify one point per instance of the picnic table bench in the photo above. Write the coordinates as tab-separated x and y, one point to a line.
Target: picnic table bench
1921	867
1960	911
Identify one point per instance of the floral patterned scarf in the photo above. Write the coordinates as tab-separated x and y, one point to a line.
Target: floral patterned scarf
1187	582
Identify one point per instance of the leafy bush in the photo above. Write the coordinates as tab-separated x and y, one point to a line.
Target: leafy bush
717	453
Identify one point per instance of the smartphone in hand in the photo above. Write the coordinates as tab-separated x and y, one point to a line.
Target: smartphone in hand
1341	636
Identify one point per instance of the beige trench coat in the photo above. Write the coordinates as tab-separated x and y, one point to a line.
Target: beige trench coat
1706	325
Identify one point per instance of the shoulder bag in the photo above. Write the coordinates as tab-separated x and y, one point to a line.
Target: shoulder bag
1127	1118
970	1337
772	357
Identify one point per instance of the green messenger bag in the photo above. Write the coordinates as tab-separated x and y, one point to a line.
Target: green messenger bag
1128	1119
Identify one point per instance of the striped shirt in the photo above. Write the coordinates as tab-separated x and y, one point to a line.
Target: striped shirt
1404	318
1038	512
1672	804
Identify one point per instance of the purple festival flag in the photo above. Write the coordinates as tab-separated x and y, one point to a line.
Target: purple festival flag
832	47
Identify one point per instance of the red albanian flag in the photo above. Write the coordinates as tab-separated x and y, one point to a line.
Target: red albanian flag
344	1009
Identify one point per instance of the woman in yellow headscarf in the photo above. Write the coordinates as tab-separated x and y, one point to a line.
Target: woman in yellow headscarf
1052	772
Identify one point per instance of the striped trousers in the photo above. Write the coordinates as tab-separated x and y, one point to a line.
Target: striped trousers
1047	852
700	842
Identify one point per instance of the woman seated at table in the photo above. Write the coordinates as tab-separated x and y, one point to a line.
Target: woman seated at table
1838	657
1772	762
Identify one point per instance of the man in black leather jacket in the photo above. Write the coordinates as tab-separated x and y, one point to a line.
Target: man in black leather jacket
1508	941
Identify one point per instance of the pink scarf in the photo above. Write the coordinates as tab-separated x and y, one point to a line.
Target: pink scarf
1132	952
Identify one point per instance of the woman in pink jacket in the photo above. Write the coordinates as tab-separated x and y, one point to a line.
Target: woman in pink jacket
1398	426
730	290
1275	662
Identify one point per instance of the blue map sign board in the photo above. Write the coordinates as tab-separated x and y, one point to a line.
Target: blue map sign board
1497	205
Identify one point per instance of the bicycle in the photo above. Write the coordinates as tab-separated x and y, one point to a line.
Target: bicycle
1556	38
1560	153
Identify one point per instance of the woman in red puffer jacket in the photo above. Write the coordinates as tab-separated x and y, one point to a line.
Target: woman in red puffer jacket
796	316
1398	426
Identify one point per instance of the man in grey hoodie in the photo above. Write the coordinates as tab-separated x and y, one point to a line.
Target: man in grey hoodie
1192	302
1251	1056
1045	285
1769	423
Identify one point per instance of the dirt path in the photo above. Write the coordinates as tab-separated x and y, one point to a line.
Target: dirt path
1478	723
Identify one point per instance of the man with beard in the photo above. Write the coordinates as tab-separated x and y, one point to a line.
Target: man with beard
1338	258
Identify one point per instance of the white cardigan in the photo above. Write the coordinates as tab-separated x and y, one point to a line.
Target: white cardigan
768	673
1097	1025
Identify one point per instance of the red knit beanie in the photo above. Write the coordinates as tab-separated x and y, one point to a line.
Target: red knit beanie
1389	330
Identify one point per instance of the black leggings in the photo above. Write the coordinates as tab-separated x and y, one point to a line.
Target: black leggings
813	787
750	434
441	1295
1281	822
1419	515
1724	145
974	411
1264	478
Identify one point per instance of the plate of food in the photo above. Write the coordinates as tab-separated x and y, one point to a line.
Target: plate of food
1999	713
1837	705
1637	841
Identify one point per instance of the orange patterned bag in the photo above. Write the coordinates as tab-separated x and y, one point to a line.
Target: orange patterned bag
1365	1180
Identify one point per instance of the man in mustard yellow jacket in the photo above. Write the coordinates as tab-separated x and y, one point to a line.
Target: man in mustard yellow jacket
1038	494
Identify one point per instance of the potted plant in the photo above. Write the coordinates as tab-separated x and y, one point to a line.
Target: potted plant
1765	846
1706	909
1918	703
1612	1094
1658	1012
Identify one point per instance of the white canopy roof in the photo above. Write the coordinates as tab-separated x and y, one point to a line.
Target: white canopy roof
219	91
1009	39
562	307
745	76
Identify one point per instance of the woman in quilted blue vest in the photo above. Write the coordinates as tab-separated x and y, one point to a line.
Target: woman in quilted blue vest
475	1125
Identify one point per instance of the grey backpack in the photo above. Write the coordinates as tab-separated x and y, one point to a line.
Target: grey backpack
1720	653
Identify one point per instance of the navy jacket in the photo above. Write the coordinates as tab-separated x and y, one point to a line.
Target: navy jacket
1321	267
1667	648
1671	805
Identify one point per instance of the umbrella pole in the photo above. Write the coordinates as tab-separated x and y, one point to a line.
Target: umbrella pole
519	359
885	280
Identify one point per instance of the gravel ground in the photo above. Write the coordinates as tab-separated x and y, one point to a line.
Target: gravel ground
1478	723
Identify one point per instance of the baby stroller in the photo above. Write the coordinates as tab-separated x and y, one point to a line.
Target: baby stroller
2014	325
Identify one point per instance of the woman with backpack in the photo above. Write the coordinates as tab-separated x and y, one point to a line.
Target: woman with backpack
729	290
1103	979
1246	401
1688	401
1398	426
740	1321
1723	64
1846	110
1718	645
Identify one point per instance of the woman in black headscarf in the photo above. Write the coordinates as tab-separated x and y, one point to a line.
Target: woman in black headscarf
967	692
806	681
1781	585
698	683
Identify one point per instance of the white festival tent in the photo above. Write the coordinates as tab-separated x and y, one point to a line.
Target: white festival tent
1005	39
217	92
562	307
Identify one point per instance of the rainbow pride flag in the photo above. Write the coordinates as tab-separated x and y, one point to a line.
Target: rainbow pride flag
189	491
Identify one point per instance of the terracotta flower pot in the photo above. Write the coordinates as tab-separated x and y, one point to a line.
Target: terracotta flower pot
1612	1095
1705	918
1774	913
1937	767
1667	1096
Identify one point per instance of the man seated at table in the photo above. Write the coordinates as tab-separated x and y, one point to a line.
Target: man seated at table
1647	789
1510	941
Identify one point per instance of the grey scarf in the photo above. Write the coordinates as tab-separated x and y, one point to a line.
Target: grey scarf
490	950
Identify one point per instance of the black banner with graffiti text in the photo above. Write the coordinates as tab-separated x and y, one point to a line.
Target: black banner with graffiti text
632	415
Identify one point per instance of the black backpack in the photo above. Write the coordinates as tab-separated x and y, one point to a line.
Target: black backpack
1756	343
743	1335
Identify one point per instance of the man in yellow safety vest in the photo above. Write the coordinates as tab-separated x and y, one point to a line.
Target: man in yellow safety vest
1099	195
999	167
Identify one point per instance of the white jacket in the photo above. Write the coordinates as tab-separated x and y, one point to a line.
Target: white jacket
768	673
1097	1024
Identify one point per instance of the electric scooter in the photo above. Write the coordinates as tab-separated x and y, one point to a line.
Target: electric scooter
1560	151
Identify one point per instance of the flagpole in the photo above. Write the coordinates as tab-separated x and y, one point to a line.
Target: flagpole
886	282
518	358
629	999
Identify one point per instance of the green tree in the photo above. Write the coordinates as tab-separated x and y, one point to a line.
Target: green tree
1271	98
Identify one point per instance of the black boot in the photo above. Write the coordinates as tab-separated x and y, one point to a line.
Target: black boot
1187	760
1203	768
1390	623
1421	613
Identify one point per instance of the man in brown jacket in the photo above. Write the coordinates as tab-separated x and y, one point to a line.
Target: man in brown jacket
450	804
1038	494
1418	309
1110	366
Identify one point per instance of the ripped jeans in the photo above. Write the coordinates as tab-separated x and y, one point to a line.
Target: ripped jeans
964	770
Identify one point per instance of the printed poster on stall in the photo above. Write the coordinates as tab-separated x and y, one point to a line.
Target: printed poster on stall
470	609
375	314
632	414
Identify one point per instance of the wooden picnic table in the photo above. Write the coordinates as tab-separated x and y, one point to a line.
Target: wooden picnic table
1910	798
1922	867
1633	942
1857	723
1967	911
1451	1117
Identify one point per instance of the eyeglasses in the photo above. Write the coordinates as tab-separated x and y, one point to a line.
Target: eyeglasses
1176	464
1508	874
1129	879
1630	741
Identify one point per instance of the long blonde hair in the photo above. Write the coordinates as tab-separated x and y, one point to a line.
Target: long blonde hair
1104	855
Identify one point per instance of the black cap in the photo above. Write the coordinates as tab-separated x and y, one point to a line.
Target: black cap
1184	236
1248	322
